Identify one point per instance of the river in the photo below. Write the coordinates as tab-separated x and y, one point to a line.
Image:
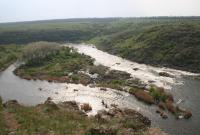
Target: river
35	92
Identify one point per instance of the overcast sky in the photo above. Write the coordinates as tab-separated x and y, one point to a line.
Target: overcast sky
26	10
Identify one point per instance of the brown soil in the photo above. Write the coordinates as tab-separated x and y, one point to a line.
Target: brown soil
156	131
10	121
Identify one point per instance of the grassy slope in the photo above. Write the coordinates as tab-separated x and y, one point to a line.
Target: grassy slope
76	30
8	55
172	42
61	119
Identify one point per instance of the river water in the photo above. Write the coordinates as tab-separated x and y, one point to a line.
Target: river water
35	92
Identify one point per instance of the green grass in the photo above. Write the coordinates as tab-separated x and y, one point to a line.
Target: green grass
173	44
9	54
57	63
158	95
61	121
162	41
49	60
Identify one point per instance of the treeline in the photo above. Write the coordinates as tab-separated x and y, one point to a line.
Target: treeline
23	37
78	30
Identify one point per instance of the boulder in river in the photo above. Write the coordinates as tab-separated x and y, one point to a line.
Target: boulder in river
163	115
165	74
187	114
113	105
161	105
135	69
75	90
49	98
86	107
103	89
56	93
170	107
135	82
158	111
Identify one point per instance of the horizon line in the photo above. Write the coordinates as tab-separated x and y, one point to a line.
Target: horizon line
73	18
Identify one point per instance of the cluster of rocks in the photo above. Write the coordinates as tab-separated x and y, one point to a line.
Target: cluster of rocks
127	121
165	74
176	110
86	107
122	115
135	82
11	103
162	114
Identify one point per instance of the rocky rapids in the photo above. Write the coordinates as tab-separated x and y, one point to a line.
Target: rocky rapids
183	88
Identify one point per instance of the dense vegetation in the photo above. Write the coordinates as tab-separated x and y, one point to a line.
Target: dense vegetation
172	42
9	54
76	30
172	45
44	59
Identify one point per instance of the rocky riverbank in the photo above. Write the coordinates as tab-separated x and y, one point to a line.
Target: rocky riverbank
101	76
69	66
68	118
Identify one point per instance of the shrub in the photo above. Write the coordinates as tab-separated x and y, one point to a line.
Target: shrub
144	96
35	53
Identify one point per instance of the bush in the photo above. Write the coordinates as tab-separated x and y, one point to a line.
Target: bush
35	53
158	95
144	96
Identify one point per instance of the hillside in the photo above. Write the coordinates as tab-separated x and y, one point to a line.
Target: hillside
163	41
172	45
64	118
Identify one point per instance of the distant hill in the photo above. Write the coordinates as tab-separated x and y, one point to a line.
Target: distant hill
161	41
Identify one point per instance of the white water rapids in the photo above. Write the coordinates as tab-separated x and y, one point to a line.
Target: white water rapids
35	92
147	74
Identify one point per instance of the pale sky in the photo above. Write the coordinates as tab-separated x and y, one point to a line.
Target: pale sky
27	10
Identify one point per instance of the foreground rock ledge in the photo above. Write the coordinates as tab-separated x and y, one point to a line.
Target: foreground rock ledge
112	122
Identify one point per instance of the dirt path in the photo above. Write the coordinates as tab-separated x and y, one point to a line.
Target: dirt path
10	121
156	131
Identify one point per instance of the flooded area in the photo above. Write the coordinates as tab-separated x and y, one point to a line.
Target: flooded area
35	92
